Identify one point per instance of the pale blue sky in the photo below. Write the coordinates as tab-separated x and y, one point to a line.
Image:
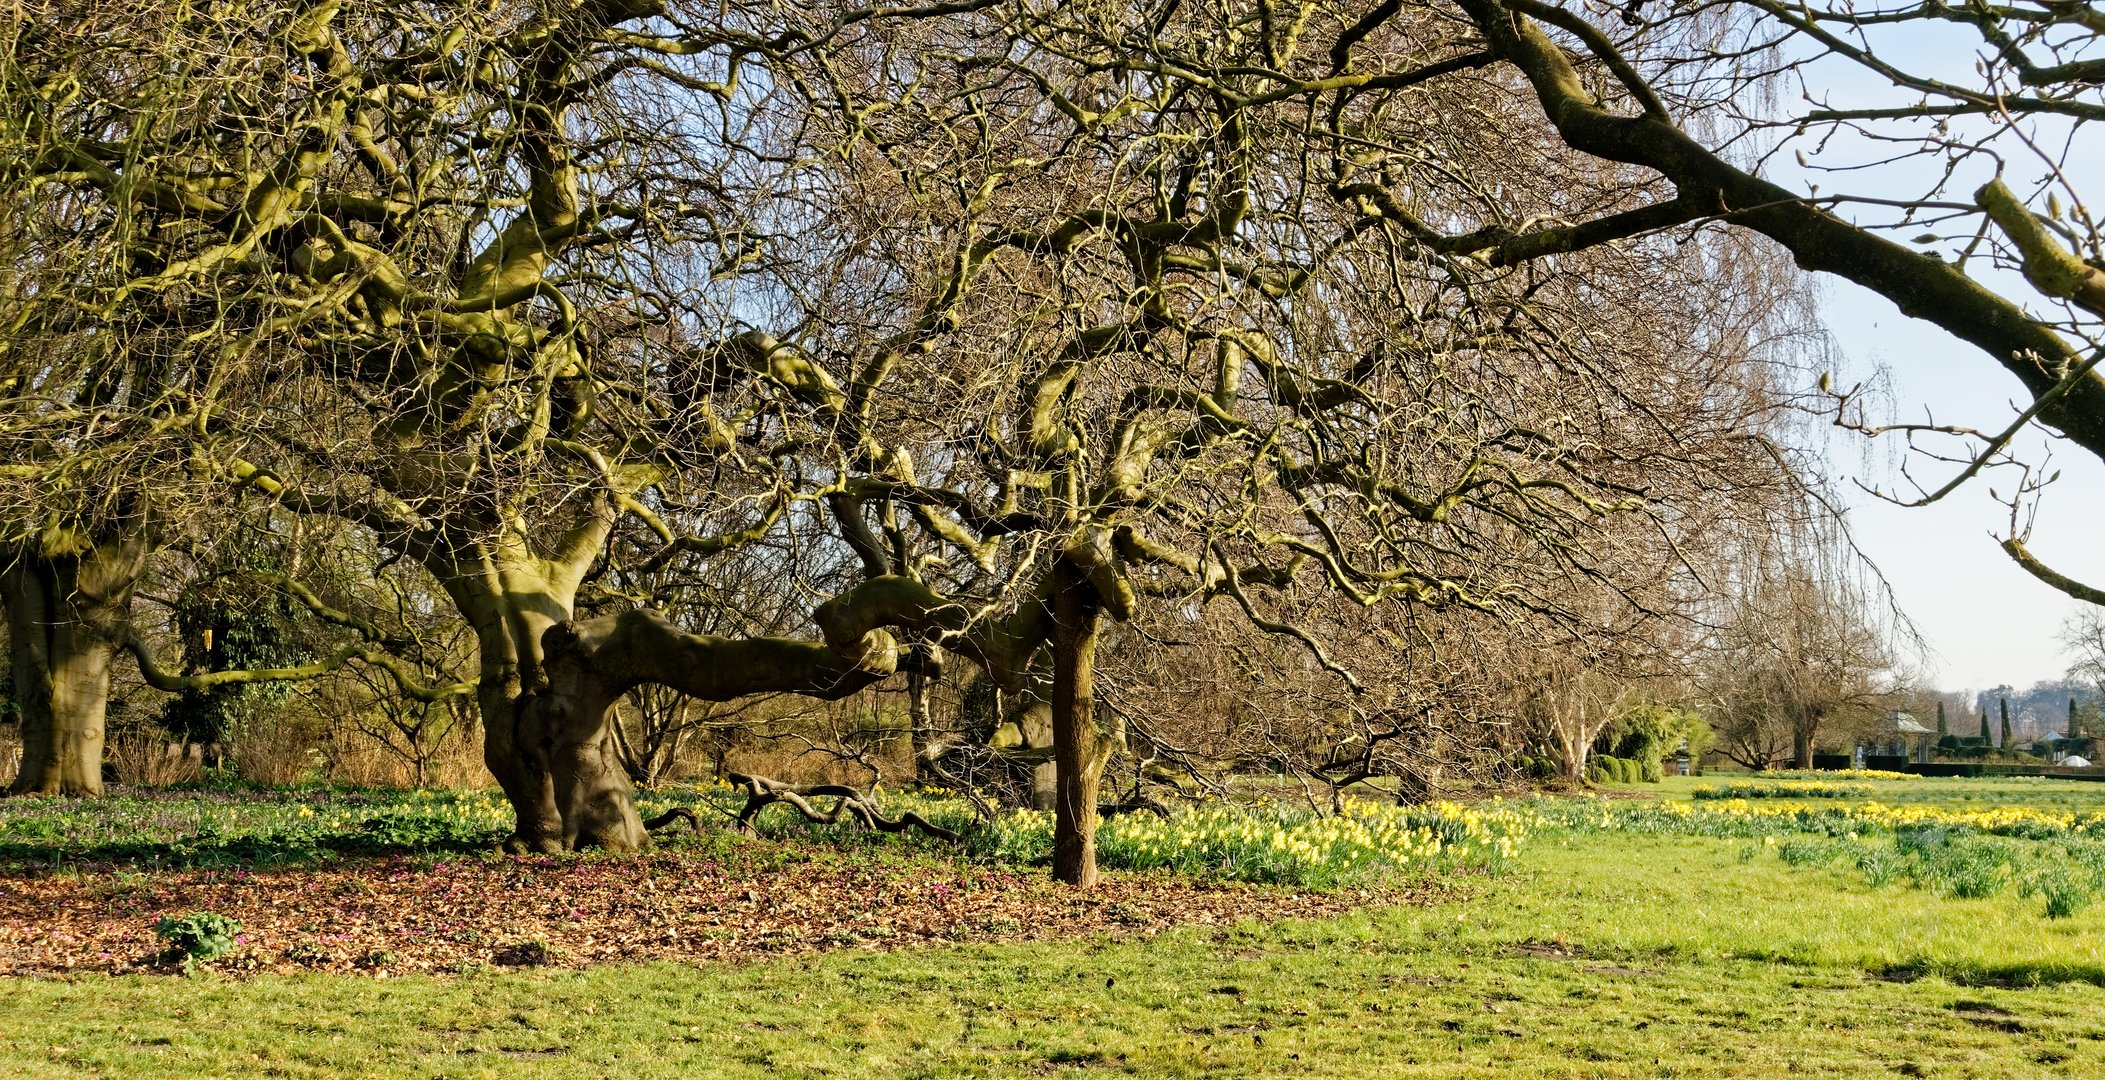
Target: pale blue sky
1986	621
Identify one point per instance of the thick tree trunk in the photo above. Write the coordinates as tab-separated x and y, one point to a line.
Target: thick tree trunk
1080	750
562	774
549	685
67	617
1803	735
562	747
1575	763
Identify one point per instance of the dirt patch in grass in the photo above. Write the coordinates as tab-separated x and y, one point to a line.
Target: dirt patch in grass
403	915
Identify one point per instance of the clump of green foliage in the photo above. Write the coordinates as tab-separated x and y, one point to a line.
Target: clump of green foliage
1967	868
1794	790
1649	732
199	937
1610	769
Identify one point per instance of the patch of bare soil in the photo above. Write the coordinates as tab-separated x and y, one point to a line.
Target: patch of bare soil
401	915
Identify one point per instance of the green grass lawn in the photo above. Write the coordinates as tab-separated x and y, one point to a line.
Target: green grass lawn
1598	953
2038	793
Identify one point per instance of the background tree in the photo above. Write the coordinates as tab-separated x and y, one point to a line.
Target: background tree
1800	650
2084	636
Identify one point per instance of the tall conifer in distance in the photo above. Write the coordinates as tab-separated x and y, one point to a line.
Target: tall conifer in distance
1985	736
1943	728
2004	704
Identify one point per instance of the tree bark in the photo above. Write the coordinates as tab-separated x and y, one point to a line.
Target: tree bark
67	616
927	667
565	784
548	684
1574	754
1080	749
1804	734
563	748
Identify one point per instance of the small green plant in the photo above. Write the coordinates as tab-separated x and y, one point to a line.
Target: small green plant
1880	866
1797	852
199	937
1968	870
530	953
2065	897
2066	894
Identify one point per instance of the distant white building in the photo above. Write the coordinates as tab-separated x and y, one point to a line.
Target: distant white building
1899	736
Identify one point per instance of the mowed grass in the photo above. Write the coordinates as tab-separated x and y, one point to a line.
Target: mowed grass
2033	793
1596	954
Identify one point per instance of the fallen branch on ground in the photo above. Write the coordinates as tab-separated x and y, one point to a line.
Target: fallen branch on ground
677	813
762	792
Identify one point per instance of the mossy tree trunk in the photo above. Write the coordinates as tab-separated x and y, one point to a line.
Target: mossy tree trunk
67	616
1080	747
921	677
566	785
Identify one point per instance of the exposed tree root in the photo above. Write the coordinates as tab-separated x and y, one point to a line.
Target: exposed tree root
762	792
1138	804
677	813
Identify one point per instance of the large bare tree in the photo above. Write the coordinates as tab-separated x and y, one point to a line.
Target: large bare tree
997	321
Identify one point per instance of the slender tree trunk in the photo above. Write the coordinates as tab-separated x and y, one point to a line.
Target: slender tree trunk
67	617
920	726
1080	750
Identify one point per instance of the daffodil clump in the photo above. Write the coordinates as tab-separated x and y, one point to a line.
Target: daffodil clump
1757	817
1839	774
2054	857
207	826
1790	789
1290	846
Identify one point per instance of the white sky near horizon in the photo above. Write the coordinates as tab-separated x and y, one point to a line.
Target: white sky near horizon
1985	621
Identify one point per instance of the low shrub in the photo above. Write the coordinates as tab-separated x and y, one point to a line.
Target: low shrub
1792	790
199	937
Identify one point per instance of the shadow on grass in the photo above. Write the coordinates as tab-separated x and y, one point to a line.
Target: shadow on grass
2013	975
387	836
